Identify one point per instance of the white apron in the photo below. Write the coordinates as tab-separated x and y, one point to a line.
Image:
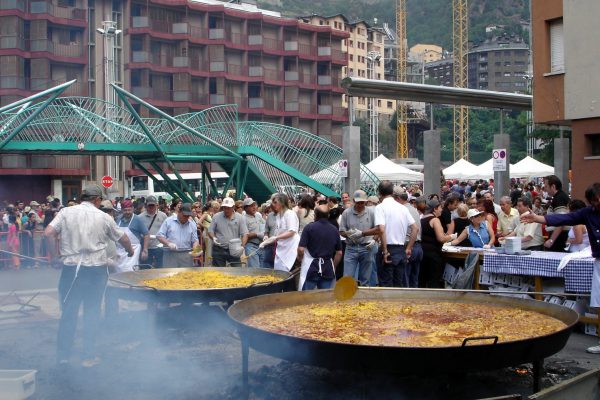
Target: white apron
125	263
305	266
286	250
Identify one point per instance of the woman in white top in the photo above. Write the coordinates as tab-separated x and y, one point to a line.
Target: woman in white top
305	211
578	236
286	233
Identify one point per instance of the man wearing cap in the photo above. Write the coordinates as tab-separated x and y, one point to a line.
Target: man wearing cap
393	220
179	236
153	219
226	226
84	232
413	264
134	227
357	225
256	232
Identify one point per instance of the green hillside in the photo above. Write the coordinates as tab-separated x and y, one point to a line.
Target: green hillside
428	21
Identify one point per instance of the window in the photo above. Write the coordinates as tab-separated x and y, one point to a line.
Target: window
390	104
557	51
351	57
594	144
507	74
507	63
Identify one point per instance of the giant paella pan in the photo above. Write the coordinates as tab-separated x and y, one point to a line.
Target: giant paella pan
152	285
403	330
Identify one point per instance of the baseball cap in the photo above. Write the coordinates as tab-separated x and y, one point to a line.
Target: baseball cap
151	200
126	204
360	195
106	205
248	202
34	203
398	190
373	199
92	191
432	204
228	202
473	213
186	209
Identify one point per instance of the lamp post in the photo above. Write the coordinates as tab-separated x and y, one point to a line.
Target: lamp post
372	58
109	32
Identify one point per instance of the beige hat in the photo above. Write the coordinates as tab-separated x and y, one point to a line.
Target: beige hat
473	213
248	202
92	191
398	190
373	199
360	195
106	205
228	202
34	203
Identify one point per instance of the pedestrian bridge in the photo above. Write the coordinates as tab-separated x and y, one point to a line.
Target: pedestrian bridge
259	157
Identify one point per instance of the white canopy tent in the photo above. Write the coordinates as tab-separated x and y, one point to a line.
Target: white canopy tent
386	169
486	170
530	168
462	169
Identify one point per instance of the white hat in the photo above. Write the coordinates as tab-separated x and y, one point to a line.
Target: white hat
248	202
228	202
473	213
360	195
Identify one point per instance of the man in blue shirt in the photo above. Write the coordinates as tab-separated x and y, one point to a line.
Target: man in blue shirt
320	250
179	236
590	216
137	232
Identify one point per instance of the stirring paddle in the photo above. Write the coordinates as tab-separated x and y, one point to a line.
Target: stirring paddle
345	288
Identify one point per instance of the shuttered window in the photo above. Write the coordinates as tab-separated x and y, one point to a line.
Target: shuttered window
557	46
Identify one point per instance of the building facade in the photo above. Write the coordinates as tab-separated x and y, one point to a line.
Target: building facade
179	56
564	94
500	64
427	52
440	72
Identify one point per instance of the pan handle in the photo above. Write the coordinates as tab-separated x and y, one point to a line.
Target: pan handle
466	340
264	283
132	286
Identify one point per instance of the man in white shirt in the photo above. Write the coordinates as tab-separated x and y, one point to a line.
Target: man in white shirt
508	218
393	220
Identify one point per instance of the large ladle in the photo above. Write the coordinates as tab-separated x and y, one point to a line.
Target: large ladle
345	288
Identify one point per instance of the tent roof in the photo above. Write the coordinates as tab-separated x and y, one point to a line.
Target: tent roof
386	169
462	169
530	167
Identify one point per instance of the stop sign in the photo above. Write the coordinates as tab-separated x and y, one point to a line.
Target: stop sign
107	181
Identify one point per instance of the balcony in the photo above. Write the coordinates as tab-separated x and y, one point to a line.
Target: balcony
292	106
290	46
307	108
78	88
272	74
256	102
324	51
74	50
255	40
140	22
324	109
46	7
216	99
217	66
338	55
324	80
181	62
197	64
181	95
255	71
12	5
78	165
272	44
216	33
140	56
180	28
291	75
13	82
306	49
239	70
12	42
199	98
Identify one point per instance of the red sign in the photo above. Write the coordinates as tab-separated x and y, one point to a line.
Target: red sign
107	181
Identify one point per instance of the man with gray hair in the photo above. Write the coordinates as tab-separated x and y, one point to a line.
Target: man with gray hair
226	226
508	218
83	232
256	232
413	263
357	225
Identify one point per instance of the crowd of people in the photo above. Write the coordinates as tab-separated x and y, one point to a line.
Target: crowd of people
393	239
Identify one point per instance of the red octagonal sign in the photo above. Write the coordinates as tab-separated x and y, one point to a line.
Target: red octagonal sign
107	181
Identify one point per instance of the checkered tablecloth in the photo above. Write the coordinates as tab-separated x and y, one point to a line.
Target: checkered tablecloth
577	274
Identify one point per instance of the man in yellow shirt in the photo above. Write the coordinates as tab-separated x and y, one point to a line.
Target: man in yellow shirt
508	218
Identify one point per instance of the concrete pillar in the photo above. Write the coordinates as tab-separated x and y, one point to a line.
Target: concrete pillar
562	161
351	141
502	179
431	161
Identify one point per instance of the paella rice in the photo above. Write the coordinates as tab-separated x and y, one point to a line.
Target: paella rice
404	323
207	280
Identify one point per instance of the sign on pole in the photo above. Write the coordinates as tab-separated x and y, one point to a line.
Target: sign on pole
343	168
107	181
499	157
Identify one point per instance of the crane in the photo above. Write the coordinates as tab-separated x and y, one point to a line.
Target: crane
402	106
460	37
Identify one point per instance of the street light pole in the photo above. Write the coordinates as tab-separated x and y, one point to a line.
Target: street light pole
372	58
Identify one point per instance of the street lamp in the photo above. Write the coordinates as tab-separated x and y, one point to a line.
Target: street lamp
372	58
109	33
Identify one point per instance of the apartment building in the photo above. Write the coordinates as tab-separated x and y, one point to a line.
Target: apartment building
440	72
500	64
565	94
427	52
362	46
179	56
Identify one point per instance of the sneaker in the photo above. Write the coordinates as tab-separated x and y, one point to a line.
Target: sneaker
90	362
593	349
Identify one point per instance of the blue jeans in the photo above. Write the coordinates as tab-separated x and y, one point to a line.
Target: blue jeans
254	261
373	281
87	289
393	274
311	284
358	260
413	266
268	256
221	257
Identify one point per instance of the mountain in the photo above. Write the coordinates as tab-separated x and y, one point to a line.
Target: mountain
427	21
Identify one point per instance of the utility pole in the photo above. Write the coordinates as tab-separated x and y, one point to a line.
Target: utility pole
460	48
373	58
